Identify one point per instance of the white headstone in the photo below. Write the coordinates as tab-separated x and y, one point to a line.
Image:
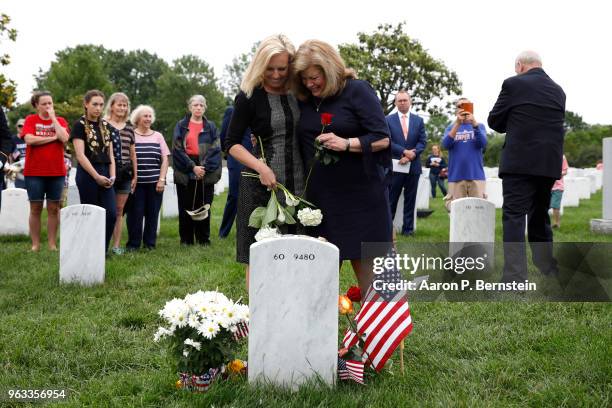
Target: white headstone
73	195
584	187
495	192
593	179
423	193
15	212
398	220
604	225
472	220
82	247
170	202
293	306
571	192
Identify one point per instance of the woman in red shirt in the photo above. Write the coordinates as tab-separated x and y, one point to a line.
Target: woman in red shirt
45	135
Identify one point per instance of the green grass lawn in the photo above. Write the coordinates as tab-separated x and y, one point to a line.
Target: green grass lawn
98	342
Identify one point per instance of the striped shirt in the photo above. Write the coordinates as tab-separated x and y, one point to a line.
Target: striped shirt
149	151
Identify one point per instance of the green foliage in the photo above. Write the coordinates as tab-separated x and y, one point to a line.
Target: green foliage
435	126
573	121
234	72
583	147
135	73
492	154
75	71
189	75
8	88
390	60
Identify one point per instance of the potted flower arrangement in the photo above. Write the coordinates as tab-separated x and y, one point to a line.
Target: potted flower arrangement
202	330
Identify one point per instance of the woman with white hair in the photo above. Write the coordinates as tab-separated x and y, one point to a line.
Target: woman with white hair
265	105
117	114
152	164
196	158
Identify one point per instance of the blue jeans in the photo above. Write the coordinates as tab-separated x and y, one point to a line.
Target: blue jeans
92	193
435	179
146	203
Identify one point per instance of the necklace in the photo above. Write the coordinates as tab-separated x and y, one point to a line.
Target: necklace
318	105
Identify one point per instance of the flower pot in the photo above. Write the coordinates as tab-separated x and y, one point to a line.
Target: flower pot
198	383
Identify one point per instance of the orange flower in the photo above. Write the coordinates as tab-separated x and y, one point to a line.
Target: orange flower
235	367
345	306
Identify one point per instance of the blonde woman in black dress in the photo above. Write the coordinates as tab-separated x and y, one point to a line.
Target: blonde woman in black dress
265	105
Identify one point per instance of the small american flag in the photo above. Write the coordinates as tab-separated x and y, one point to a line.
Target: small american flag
350	370
384	320
242	330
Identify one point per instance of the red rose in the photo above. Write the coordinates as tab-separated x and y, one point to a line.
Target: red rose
326	119
354	293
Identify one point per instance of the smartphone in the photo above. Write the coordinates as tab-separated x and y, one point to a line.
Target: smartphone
468	107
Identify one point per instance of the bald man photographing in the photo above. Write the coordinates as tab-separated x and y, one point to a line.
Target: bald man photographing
530	110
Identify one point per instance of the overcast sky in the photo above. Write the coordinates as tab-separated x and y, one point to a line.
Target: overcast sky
477	39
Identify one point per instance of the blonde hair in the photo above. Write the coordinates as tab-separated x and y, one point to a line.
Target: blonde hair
328	60
112	100
269	47
139	111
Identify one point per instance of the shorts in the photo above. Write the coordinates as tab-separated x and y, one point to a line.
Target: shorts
555	199
123	187
41	187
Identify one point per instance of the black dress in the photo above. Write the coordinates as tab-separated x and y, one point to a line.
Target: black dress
353	192
273	119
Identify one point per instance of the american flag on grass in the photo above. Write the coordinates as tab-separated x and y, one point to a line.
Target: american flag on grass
242	330
350	370
384	320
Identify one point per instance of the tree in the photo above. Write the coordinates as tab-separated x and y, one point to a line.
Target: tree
436	125
76	71
573	121
234	72
8	89
188	76
390	60
135	73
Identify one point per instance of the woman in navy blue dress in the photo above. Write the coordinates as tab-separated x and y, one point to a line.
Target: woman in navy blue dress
351	192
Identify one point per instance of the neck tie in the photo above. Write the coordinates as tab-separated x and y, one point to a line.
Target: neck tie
404	127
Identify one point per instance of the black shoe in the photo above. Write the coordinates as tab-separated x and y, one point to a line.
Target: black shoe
204	243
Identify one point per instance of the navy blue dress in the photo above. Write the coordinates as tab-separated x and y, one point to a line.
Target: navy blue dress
353	192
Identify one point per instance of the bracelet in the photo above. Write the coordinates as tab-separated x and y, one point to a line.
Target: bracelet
348	145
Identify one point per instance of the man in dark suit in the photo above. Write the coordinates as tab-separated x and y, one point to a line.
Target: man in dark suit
408	140
234	168
530	109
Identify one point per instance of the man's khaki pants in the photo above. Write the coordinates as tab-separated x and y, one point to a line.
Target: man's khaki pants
464	188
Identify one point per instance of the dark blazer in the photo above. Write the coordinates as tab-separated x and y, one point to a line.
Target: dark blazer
6	141
530	110
209	152
417	139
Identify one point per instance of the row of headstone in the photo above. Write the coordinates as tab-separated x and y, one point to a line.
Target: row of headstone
604	224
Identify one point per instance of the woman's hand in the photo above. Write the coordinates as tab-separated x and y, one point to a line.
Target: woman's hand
199	172
267	177
133	184
332	142
103	181
159	187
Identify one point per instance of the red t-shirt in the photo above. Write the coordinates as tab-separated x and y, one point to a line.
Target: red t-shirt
191	142
47	159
